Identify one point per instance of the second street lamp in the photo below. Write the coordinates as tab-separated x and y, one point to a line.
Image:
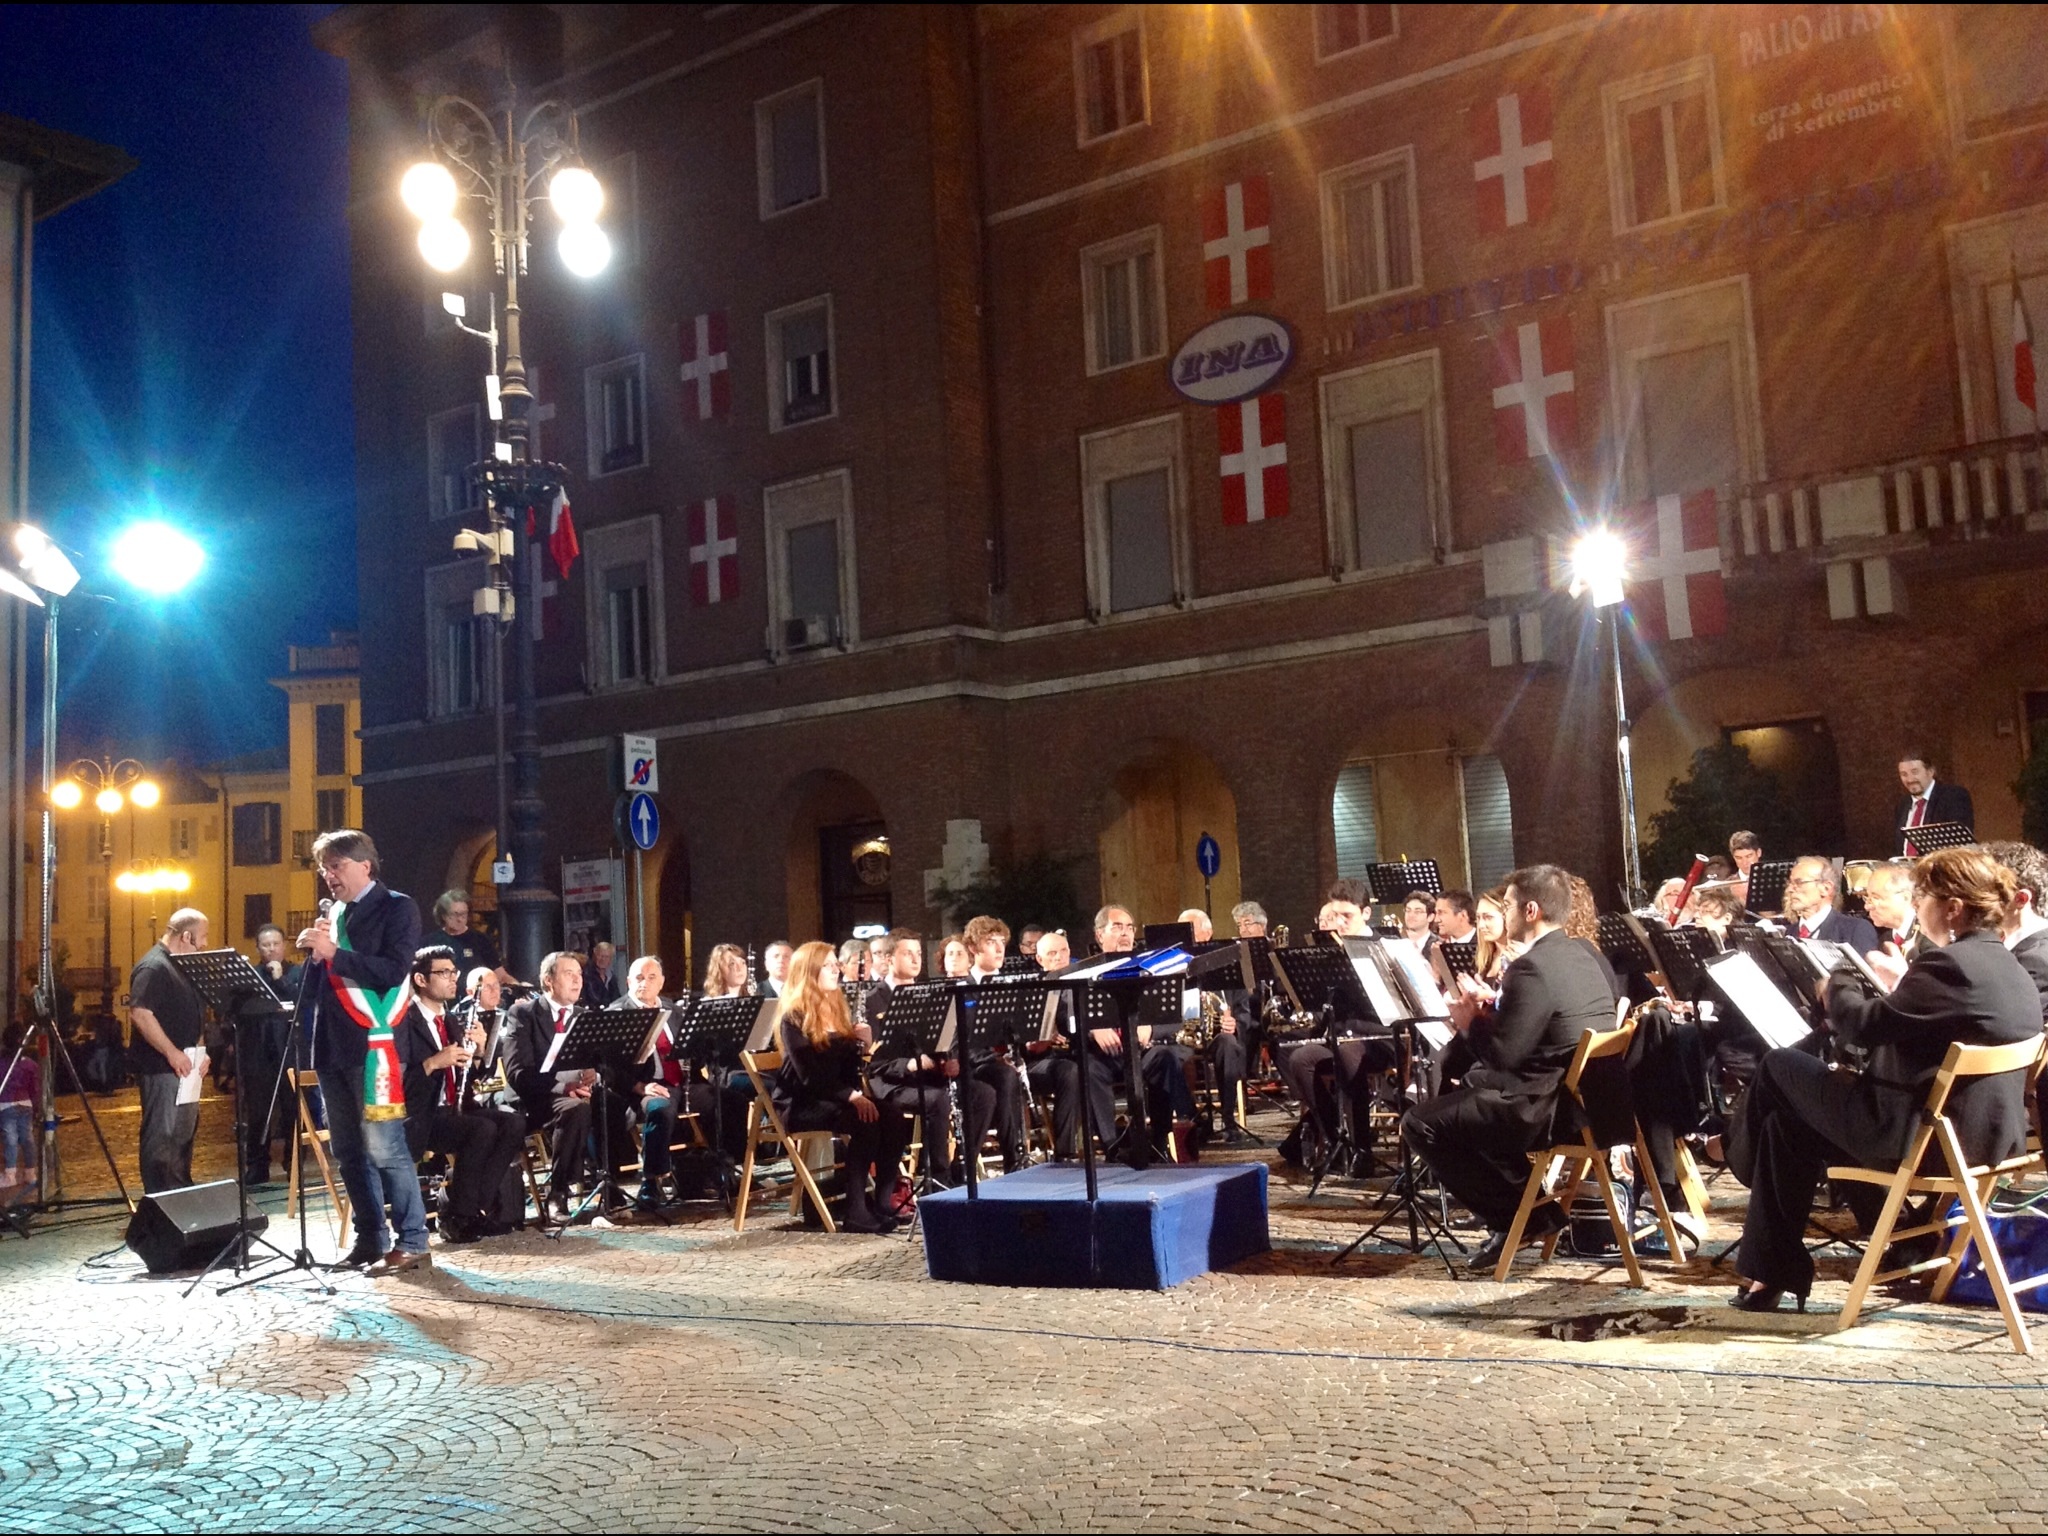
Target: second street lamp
113	786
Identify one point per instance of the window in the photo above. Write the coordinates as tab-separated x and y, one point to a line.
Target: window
1385	468
330	810
1342	29
1125	301
1371	247
459	683
1357	824
789	136
330	739
614	402
255	914
1134	489
1996	83
1110	88
455	441
1489	821
620	178
800	376
95	899
1663	145
624	596
183	840
1683	372
812	592
258	833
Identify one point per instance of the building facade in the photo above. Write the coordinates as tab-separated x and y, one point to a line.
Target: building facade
1076	430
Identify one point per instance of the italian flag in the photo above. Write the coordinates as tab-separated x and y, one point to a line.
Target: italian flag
378	1013
2022	352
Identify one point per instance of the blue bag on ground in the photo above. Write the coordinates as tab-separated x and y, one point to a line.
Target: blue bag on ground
2022	1238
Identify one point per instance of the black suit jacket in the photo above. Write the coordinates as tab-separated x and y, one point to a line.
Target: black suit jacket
601	991
1549	997
383	928
1846	928
1973	991
529	1033
1947	802
423	1089
2032	954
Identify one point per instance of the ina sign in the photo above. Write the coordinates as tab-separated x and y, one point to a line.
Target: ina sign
1232	359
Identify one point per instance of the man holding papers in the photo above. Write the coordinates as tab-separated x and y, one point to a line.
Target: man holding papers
168	1059
1476	1139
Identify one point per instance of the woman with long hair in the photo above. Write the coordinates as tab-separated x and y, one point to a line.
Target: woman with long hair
1490	951
818	1087
725	973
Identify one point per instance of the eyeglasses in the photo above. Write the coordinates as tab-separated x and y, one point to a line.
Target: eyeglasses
440	971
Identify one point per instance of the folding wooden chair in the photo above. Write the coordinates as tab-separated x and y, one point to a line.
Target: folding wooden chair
764	1123
1971	1186
313	1135
1609	1121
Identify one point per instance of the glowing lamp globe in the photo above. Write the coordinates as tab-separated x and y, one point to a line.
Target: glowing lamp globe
577	195
157	558
428	191
67	794
444	244
585	249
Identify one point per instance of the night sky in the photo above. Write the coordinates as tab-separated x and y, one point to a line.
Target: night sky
191	359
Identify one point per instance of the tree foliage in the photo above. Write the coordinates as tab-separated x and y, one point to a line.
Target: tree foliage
1037	888
1724	791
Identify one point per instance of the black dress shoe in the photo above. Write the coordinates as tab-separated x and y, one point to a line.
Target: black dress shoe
1765	1300
1543	1221
361	1254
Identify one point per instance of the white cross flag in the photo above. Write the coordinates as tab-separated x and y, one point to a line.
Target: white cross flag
1674	578
707	379
1237	243
1252	438
1535	399
1511	159
714	551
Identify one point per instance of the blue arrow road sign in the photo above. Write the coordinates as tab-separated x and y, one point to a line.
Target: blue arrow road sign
643	819
1208	857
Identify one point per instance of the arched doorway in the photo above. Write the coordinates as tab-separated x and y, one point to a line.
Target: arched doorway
469	869
837	858
1161	804
674	923
1420	787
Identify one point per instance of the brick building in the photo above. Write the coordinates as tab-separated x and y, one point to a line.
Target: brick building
919	524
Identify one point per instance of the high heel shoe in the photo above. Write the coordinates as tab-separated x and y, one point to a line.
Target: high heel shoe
1765	1300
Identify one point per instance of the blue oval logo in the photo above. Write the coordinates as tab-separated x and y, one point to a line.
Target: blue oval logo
1232	359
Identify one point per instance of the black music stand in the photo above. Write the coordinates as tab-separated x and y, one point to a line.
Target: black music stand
1020	964
1167	936
1319	979
605	1040
989	1017
919	1021
1767	881
1935	836
710	1033
1392	883
228	982
1461	956
1624	946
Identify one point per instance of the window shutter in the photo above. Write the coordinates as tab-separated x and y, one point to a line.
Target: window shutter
1140	542
1358	833
1489	822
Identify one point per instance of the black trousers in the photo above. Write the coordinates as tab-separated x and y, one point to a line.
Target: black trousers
922	1095
1803	1117
1232	1055
570	1127
1477	1142
1168	1098
1000	1101
1316	1076
484	1144
874	1148
261	1052
1057	1076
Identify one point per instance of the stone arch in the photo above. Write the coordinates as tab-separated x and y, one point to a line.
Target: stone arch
1166	793
1400	789
836	856
469	869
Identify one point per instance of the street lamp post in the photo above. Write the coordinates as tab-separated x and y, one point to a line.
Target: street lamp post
501	159
1600	574
112	785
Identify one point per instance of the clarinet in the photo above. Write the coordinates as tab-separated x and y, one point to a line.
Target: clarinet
465	1084
753	985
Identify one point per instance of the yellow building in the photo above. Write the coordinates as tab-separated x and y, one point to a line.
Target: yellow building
241	831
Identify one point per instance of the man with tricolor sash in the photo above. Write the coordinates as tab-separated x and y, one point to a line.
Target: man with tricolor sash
360	951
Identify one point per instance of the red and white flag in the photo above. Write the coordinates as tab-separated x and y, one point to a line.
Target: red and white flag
1674	573
714	551
561	535
2022	351
1251	437
1535	390
1512	168
1237	243
706	371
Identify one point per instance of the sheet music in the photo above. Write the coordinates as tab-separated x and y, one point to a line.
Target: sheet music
1438	1033
1758	1000
1827	954
1421	981
190	1084
1388	1007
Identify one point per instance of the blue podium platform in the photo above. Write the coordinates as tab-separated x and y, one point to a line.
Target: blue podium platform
1146	1231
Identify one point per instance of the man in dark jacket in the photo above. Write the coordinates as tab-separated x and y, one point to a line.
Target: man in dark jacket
483	1143
1810	910
1477	1138
360	952
1927	800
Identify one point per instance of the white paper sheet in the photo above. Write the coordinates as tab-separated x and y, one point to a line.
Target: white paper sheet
190	1084
1758	1000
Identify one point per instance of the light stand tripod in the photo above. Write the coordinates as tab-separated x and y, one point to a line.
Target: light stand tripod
1428	1220
44	1028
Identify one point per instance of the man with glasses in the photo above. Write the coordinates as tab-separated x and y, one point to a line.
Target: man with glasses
1810	908
484	1143
360	951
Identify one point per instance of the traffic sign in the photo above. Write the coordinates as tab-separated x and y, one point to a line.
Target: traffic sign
642	771
1208	856
643	820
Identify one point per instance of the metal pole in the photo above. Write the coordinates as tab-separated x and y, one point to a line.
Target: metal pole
1631	853
639	900
51	1185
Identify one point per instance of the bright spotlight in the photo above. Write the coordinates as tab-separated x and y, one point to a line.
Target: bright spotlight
144	793
1600	567
577	195
428	191
157	558
444	244
67	794
126	884
585	249
43	562
108	801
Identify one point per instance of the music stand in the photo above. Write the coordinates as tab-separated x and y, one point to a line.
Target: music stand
989	1018
1020	964
709	1033
226	980
1321	981
1167	936
1623	945
1461	956
1392	883
1767	883
597	1039
1934	836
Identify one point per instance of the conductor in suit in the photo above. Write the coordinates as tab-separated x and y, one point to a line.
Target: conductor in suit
1476	1139
1802	1116
1928	800
1810	910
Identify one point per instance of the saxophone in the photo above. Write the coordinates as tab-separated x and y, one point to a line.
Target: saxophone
1200	1033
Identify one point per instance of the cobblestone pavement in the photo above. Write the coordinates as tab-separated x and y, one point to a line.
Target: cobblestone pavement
683	1378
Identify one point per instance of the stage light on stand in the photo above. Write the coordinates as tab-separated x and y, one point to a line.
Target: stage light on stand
1599	567
47	566
156	558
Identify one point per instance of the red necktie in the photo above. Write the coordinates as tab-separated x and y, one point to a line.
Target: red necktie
561	1020
1803	933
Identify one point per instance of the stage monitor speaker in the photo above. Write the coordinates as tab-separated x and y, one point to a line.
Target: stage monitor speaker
184	1228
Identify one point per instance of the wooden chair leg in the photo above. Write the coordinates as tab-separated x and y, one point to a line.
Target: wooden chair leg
1621	1228
1689	1183
1987	1247
1564	1195
739	1210
1959	1240
809	1186
1664	1219
1880	1239
1532	1193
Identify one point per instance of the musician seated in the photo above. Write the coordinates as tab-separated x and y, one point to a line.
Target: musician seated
725	975
1801	1116
987	940
1666	901
1317	1076
660	1093
1198	921
1477	1138
916	1085
955	960
818	1085
1810	907
1888	901
1418	917
1056	1073
1491	954
2026	921
440	1061
1237	1041
560	1101
1162	1062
